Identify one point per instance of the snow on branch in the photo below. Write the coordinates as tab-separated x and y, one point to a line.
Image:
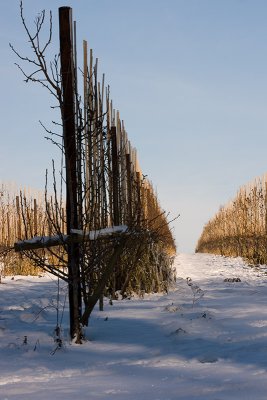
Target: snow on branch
76	236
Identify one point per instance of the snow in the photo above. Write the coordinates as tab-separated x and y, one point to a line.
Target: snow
206	339
101	232
49	241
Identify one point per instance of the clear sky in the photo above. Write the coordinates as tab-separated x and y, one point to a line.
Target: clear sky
190	80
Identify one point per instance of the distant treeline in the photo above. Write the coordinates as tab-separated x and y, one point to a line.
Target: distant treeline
240	227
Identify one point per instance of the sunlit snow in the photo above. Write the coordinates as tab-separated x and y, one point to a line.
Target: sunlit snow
206	344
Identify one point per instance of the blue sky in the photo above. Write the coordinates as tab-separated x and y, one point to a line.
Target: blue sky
190	80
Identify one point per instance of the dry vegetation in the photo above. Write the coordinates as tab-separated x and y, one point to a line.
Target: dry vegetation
27	214
240	227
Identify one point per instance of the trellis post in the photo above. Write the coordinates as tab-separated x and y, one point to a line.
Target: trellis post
68	117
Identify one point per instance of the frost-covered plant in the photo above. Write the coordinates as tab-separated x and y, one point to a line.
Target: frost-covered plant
197	292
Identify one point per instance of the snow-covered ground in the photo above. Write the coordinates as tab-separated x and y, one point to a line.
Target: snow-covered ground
205	340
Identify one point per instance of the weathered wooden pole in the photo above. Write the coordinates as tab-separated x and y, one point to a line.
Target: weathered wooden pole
78	123
115	191
8	239
138	198
115	177
68	119
35	223
129	189
18	218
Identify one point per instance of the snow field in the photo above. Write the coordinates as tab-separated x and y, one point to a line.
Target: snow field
206	339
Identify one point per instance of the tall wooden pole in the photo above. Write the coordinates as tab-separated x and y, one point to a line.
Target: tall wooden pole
115	176
129	189
35	223
18	218
68	119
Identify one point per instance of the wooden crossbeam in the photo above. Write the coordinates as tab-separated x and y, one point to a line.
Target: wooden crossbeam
76	236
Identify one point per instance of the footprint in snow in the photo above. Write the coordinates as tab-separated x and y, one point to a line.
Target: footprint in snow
178	331
208	359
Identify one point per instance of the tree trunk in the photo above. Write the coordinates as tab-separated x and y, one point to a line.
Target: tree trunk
92	300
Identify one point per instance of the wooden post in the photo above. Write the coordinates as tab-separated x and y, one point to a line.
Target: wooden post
8	238
115	176
115	191
129	189
35	225
101	302
68	117
138	198
86	99
3	238
18	218
123	173
78	124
